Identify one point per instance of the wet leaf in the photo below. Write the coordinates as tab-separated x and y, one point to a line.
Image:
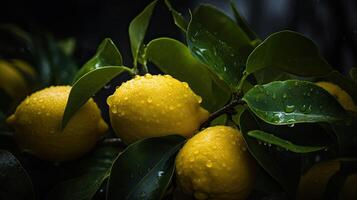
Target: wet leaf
107	55
293	101
244	26
178	18
266	156
290	52
86	86
15	182
174	58
144	170
94	171
137	30
272	139
218	42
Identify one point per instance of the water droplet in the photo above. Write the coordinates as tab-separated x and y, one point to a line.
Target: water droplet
160	173
171	108
209	164
192	159
185	84
149	100
269	145
107	87
225	68
285	96
125	98
289	108
291	125
148	76
303	108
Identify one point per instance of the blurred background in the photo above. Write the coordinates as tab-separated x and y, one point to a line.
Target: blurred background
332	24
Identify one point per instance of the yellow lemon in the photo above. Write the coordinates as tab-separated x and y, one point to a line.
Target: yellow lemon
155	105
215	164
12	81
37	122
342	96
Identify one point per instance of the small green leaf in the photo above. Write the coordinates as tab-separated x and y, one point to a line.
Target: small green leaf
244	26
107	55
290	52
174	58
15	182
266	156
144	169
293	101
178	18
86	86
218	42
137	30
272	139
94	170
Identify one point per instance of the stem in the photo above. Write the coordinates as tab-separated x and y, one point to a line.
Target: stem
225	109
241	82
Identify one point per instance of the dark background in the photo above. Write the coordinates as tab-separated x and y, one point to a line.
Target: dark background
332	24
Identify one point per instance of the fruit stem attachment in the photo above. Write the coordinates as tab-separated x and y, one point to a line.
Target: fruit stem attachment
228	108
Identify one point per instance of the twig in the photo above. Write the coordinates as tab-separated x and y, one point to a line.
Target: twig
228	108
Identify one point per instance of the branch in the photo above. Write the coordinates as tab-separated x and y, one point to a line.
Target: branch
228	108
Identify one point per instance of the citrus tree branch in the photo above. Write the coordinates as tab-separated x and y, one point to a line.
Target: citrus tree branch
228	108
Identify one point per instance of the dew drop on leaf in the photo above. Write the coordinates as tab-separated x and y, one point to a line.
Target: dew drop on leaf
289	108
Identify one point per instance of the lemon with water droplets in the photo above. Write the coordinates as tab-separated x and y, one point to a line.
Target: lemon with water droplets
341	96
37	123
215	164
155	105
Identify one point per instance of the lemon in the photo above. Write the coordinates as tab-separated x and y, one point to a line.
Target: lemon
313	183
37	122
215	164
155	105
12	81
342	96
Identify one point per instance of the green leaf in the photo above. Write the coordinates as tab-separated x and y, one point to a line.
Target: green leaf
94	170
272	139
178	18
244	26
144	169
15	182
174	58
266	156
218	42
107	55
86	86
353	74
290	52
137	30
293	101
